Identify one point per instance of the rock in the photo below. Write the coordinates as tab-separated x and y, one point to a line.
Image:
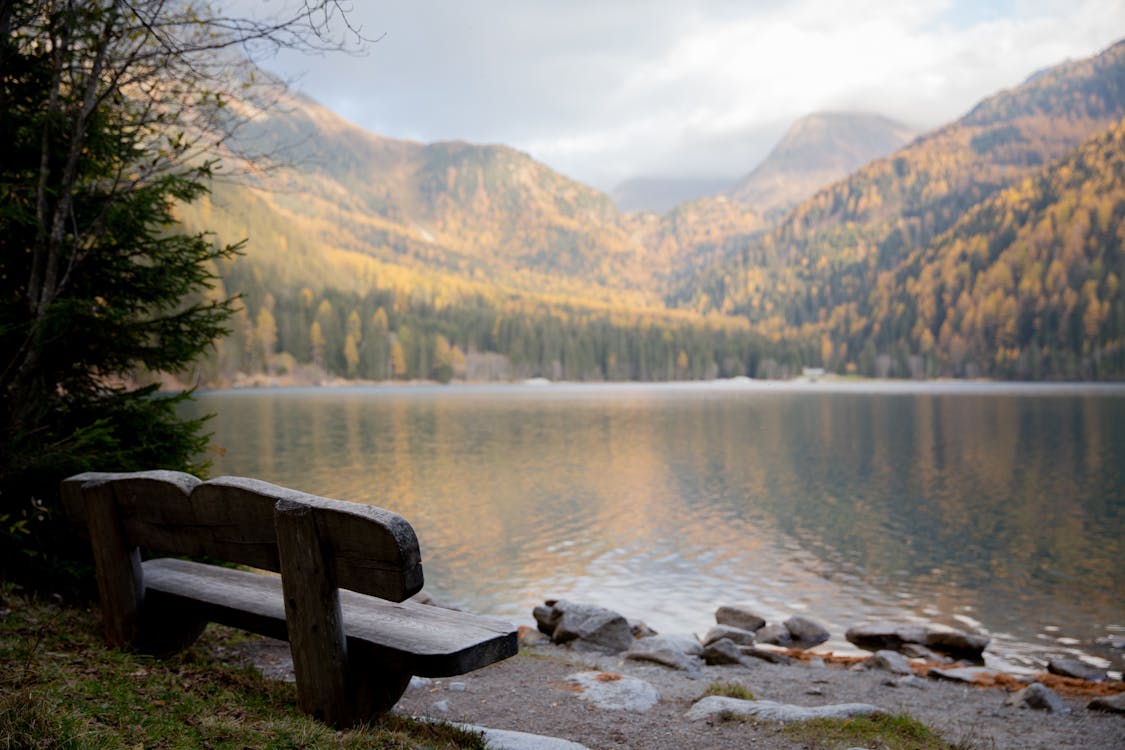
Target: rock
531	636
1111	641
956	642
1076	668
441	706
816	663
722	651
716	705
506	739
961	674
806	633
662	650
774	635
546	618
890	661
614	692
685	642
738	617
737	635
457	687
641	630
893	636
417	683
765	654
584	626
885	635
1112	703
1040	697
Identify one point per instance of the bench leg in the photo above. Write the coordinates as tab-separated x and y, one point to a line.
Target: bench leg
313	617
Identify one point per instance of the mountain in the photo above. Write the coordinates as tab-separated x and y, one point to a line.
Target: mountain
816	151
813	274
662	194
377	258
373	257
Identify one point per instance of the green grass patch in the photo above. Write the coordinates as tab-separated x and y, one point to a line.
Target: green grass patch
878	732
729	690
61	687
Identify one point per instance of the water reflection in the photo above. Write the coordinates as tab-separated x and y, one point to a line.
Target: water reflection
970	506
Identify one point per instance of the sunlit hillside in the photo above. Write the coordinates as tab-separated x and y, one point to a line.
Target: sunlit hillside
376	258
821	271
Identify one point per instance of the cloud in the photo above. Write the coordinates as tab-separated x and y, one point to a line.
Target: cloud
607	90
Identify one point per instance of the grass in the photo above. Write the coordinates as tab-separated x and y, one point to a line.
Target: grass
729	690
61	687
878	732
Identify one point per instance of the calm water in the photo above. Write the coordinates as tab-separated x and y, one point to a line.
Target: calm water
991	507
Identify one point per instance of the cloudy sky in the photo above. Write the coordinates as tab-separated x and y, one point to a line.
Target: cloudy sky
604	90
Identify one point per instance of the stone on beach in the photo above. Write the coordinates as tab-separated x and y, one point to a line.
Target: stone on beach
614	692
890	635
739	617
585	626
717	705
663	650
736	635
774	634
889	661
1040	697
1076	668
722	651
806	633
1112	703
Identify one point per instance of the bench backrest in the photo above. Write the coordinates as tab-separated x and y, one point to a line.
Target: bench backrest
373	551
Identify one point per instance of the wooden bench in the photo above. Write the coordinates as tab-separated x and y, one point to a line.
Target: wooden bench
346	571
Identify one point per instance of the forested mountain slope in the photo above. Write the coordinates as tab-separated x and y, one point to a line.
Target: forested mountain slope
813	274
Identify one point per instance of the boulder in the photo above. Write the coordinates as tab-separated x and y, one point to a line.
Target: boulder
1112	703
685	642
722	651
962	674
774	635
765	654
806	633
1040	697
738	617
885	635
614	692
717	705
894	636
890	661
584	626
736	635
955	642
1076	668
662	650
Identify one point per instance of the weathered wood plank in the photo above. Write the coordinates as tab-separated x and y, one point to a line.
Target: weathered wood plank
375	551
312	611
429	641
117	565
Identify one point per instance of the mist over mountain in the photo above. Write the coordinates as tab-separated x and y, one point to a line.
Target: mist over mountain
662	194
816	151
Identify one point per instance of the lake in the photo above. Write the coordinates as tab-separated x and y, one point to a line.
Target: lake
992	507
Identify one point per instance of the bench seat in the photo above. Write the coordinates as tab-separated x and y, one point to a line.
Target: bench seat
427	641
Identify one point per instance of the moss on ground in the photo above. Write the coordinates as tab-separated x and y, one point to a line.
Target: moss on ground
878	732
61	687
